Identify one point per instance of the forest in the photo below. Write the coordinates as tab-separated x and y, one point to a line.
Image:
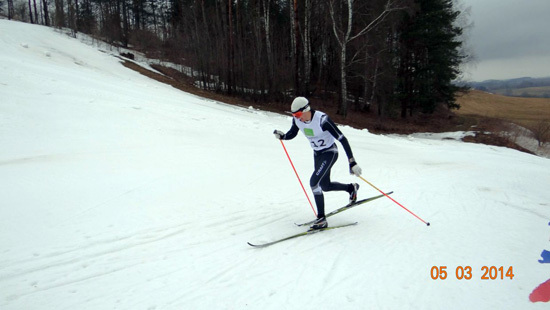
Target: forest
392	58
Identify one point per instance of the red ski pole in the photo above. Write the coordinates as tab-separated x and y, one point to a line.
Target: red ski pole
369	183
290	160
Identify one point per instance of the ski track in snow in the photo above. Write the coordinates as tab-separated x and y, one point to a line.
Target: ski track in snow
118	192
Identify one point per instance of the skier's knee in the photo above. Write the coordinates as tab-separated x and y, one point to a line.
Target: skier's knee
316	189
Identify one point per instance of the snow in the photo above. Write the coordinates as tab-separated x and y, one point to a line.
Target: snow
457	135
119	192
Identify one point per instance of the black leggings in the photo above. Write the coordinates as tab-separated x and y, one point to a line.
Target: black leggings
320	179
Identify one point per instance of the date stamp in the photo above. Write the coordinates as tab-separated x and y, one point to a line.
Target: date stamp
467	273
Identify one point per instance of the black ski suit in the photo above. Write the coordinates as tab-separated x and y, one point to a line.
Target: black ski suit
322	133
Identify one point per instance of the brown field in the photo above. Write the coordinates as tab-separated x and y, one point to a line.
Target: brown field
526	112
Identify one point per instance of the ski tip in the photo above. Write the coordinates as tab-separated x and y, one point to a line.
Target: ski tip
257	246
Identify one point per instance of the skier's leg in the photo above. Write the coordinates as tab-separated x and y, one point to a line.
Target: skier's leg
326	184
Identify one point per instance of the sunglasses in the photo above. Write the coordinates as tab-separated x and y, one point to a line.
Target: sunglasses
300	112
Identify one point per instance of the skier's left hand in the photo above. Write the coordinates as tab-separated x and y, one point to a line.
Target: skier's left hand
354	167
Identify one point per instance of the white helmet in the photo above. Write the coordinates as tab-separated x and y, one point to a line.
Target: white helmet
299	104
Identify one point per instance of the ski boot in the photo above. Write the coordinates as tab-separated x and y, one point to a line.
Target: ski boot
353	194
319	223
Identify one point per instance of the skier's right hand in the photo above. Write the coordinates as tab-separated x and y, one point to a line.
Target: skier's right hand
278	134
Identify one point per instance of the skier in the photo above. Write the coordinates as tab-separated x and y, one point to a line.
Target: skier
322	133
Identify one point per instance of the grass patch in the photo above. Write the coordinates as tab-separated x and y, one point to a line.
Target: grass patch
526	112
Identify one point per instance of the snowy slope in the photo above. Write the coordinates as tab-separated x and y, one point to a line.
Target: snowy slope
118	192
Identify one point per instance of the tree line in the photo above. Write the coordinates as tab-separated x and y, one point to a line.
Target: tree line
390	57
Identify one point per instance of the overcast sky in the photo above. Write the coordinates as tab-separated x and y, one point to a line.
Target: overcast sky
509	38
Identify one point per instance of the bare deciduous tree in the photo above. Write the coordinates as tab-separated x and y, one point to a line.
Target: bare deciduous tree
11	9
263	50
46	12
542	132
341	15
59	14
30	13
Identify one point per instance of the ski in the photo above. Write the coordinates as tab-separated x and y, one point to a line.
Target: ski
346	207
309	232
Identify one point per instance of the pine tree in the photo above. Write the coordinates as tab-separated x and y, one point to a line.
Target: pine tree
429	58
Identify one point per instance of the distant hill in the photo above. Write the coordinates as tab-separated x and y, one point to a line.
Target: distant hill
520	87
